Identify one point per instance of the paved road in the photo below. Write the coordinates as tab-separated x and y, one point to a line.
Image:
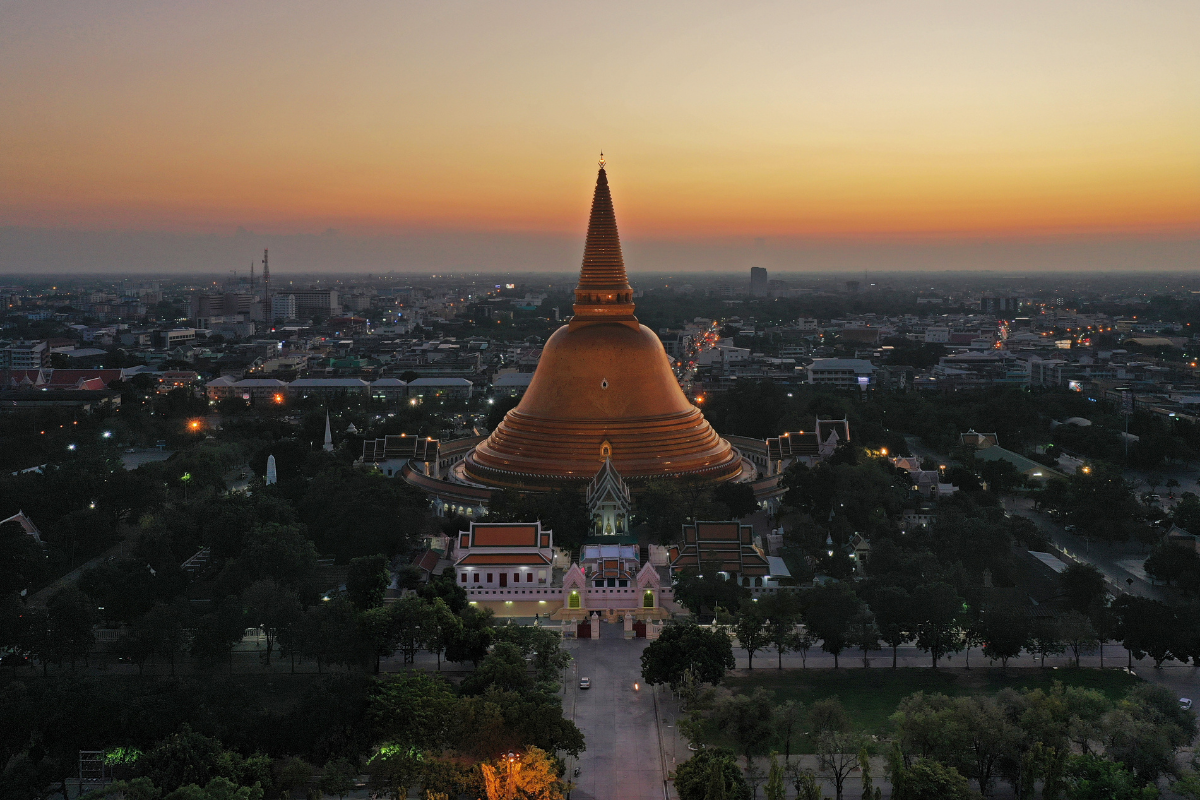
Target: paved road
1119	563
623	756
144	455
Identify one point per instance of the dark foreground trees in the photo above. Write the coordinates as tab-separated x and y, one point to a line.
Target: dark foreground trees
706	652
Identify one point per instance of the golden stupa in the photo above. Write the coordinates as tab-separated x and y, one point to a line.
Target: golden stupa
603	389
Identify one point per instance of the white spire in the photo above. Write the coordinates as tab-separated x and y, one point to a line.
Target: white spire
272	475
328	435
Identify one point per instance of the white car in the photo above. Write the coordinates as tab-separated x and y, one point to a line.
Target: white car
1185	703
585	683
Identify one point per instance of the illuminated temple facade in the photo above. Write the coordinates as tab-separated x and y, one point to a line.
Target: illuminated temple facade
603	392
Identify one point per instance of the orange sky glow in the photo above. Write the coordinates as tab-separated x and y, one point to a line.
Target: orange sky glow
795	119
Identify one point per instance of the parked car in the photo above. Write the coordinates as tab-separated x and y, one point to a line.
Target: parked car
585	683
1185	703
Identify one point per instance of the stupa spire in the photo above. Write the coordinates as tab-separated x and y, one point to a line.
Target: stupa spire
603	292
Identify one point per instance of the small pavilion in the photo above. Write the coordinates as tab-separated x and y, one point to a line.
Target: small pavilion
608	502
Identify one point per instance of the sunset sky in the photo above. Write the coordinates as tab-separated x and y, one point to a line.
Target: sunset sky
796	122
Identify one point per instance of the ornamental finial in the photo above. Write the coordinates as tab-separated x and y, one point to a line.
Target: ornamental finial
601	162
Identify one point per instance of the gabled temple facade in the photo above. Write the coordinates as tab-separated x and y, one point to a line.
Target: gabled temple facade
26	525
499	555
727	547
807	447
608	501
514	569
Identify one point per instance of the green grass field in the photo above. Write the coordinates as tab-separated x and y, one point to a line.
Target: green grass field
871	695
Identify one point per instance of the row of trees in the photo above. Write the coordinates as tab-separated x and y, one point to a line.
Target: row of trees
1030	737
939	622
1073	742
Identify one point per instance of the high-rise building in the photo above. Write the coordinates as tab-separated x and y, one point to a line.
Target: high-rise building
283	307
310	302
758	282
25	355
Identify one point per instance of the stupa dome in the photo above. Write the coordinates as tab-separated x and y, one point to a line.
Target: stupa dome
603	388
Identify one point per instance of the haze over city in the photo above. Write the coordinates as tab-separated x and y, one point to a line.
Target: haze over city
441	136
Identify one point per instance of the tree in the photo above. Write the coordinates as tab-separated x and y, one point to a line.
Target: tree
1077	634
367	581
182	758
446	587
804	781
864	633
694	777
529	776
216	633
471	642
988	733
1146	729
1005	631
71	615
440	628
408	618
929	780
831	610
270	607
837	752
1083	584
394	769
1089	777
165	627
707	652
828	714
935	609
750	630
747	720
1148	627
869	790
412	709
775	789
782	611
504	668
543	646
890	606
295	774
787	718
802	642
337	777
280	553
704	593
737	497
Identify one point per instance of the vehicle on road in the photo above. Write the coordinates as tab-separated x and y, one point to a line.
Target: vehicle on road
585	683
1069	528
1185	703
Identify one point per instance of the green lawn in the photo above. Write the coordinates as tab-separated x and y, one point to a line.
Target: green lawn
871	695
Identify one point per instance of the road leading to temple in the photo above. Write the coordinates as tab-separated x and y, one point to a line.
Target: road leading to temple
622	757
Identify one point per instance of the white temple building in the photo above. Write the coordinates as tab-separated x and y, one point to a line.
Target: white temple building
608	501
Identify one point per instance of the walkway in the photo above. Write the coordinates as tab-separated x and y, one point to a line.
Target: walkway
623	756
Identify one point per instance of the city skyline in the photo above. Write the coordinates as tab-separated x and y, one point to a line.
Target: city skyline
794	137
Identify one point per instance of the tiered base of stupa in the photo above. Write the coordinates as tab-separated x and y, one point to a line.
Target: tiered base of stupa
537	453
